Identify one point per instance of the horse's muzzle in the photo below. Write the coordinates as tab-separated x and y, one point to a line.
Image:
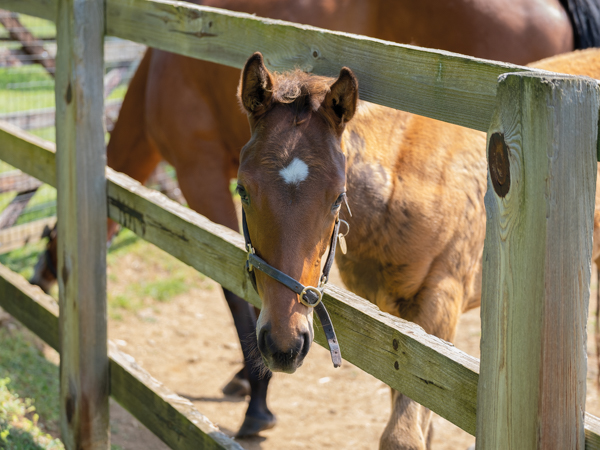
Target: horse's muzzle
279	358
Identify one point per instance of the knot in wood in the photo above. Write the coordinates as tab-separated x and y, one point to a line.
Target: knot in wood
499	164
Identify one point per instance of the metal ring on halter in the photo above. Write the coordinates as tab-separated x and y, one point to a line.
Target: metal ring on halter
316	291
347	228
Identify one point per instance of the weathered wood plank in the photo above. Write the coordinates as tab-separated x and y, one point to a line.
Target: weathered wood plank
431	371
34	119
30	306
46	9
35	155
433	83
81	213
17	236
171	417
592	432
537	263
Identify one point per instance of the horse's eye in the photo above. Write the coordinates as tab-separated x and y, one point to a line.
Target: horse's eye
338	202
243	194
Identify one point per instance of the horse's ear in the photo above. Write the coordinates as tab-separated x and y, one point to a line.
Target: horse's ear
256	85
342	99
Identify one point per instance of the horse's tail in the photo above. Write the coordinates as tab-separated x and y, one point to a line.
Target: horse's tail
585	19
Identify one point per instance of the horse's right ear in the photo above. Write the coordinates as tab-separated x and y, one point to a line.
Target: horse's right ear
256	85
342	99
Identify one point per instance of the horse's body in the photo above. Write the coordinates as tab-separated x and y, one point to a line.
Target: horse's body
416	190
185	111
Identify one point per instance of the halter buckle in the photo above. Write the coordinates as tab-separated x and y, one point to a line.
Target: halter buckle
312	289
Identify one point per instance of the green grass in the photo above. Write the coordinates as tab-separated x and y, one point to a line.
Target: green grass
24	88
17	430
23	259
26	375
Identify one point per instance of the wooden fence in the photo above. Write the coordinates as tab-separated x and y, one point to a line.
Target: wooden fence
543	134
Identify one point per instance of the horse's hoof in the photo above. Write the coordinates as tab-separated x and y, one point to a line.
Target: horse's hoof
253	425
237	387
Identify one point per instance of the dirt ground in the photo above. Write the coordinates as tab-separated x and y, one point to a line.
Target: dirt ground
190	345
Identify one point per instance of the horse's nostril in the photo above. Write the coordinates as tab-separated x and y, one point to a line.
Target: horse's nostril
305	345
262	340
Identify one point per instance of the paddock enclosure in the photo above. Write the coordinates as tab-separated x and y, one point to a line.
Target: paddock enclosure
529	389
27	66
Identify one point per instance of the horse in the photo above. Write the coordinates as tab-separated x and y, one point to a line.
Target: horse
412	183
183	110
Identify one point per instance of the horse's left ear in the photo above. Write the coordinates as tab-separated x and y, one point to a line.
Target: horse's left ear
342	99
256	85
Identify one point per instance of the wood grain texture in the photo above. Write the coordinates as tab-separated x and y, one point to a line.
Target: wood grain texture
22	149
433	371
592	432
433	83
46	9
537	266
171	417
29	305
81	213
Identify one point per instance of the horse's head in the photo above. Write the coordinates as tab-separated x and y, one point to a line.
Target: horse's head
292	182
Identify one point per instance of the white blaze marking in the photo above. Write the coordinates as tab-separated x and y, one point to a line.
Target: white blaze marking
296	172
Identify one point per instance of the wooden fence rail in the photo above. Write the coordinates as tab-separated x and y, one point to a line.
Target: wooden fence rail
171	417
436	84
433	83
399	353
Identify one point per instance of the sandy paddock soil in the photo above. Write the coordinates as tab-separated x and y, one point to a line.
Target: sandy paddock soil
190	345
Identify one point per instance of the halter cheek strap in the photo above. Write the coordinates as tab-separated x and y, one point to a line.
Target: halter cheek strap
310	296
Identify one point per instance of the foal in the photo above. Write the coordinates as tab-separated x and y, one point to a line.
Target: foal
415	187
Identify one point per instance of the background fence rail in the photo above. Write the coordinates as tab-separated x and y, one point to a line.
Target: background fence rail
171	417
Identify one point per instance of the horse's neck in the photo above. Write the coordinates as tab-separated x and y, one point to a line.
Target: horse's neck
372	144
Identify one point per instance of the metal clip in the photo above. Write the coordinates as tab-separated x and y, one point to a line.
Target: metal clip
342	238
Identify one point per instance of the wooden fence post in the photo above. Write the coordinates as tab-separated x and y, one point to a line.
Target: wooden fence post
82	211
537	263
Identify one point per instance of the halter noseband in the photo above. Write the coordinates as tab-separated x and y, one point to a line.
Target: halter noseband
310	296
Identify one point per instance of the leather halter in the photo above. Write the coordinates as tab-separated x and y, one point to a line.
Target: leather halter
310	296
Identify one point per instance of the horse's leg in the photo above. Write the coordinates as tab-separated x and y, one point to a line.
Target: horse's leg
129	151
436	308
205	185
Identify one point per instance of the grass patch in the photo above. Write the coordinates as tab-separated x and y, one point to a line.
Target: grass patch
26	375
17	430
25	423
22	260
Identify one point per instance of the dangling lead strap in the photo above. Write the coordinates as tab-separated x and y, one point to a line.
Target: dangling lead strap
309	296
